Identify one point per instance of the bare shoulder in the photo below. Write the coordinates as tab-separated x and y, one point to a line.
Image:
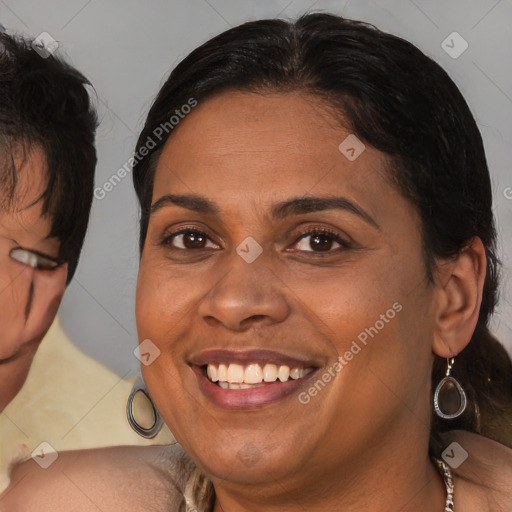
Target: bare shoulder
134	478
482	471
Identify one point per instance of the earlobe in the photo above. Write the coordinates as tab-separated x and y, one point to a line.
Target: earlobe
459	287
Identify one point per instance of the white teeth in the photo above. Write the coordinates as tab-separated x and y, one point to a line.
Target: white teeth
235	373
222	372
294	373
234	385
253	374
270	373
236	376
283	373
211	371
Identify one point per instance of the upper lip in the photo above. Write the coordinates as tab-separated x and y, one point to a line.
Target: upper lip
248	356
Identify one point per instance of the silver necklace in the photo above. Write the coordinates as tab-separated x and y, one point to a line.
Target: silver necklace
446	473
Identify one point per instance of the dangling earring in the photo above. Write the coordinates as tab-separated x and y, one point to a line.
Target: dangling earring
155	423
449	398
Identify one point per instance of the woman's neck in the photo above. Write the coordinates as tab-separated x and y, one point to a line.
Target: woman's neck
402	481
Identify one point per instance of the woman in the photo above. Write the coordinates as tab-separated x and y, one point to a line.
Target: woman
317	272
351	162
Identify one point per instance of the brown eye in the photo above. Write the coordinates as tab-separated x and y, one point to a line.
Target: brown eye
189	239
193	240
320	241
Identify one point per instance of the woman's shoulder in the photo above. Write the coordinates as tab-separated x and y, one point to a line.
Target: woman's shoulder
134	478
482	470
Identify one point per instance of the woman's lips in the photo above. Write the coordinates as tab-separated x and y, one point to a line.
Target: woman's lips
249	379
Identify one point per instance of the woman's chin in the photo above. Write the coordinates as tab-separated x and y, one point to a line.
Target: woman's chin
245	460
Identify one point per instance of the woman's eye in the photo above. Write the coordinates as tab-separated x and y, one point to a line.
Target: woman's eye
320	242
189	239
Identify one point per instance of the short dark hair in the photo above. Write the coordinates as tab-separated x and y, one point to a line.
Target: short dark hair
44	103
394	98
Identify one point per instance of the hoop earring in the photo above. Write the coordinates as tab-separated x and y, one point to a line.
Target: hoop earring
143	431
450	400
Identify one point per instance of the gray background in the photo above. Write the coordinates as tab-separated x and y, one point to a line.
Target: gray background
127	47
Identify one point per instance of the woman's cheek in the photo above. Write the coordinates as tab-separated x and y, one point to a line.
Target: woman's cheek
144	304
159	300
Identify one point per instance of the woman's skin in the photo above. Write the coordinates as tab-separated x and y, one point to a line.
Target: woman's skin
29	296
146	478
362	440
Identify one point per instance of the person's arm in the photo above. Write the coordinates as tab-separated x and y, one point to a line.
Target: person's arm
108	480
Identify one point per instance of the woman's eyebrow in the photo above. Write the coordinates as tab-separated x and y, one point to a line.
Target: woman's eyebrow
295	206
300	205
190	202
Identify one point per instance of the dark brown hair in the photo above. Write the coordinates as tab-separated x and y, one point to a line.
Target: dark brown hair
44	103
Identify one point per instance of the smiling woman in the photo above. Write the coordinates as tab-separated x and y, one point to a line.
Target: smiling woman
319	225
350	165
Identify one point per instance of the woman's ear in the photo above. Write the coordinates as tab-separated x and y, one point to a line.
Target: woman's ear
459	287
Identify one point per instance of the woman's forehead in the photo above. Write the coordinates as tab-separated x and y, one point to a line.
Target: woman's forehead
258	139
270	119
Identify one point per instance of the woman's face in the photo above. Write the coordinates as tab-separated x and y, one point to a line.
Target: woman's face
275	253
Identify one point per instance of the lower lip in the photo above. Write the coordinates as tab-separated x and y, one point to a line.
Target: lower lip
248	398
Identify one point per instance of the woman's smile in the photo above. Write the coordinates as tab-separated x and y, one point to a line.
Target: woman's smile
250	378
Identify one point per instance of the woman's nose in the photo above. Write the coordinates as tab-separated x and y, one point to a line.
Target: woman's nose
247	295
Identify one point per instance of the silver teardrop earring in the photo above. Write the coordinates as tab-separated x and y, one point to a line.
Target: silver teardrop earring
450	400
156	422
